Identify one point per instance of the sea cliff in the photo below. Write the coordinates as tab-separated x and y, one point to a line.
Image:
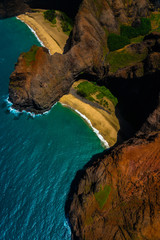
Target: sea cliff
116	195
86	54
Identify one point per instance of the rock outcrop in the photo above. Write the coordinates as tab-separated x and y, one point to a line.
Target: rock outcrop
37	82
86	56
117	195
10	8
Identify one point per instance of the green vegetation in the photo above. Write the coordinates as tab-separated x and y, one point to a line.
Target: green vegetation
102	195
123	58
155	21
136	34
137	39
142	29
66	23
88	89
116	41
50	15
31	55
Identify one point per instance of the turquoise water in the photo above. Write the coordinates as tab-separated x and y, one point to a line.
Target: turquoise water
39	157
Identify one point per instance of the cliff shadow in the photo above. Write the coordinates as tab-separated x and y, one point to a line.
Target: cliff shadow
137	99
70	7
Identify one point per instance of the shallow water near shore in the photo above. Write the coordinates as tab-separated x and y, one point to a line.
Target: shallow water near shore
39	157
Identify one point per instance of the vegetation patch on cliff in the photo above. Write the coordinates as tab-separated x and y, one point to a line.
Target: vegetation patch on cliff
155	21
30	55
123	58
92	92
143	28
129	34
50	15
116	42
102	196
65	22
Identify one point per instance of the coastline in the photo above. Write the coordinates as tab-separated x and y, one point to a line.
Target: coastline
103	124
104	142
35	34
40	27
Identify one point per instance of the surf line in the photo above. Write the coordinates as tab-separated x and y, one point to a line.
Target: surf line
104	142
35	34
17	112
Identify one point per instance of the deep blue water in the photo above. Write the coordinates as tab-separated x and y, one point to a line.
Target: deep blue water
39	157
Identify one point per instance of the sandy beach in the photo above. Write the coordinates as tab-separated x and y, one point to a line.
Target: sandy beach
54	39
51	35
105	123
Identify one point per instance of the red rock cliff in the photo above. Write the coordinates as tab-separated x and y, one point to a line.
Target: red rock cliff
117	195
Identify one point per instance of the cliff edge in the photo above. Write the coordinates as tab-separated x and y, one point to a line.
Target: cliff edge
86	54
116	195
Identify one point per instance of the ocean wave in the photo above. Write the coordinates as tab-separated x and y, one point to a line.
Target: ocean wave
34	32
67	227
16	112
104	142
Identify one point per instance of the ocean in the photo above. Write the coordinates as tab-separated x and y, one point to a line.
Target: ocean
39	156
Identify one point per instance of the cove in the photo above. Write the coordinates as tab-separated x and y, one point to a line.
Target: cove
39	157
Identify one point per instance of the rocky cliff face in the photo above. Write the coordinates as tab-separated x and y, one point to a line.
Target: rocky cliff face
9	8
37	82
87	53
117	195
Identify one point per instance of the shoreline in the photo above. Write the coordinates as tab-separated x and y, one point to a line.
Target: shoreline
38	28
103	141
97	119
33	115
103	124
17	112
32	30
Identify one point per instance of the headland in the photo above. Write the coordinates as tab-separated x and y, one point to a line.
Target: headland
54	39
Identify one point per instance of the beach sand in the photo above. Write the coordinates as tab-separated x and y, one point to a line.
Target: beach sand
107	124
54	39
51	35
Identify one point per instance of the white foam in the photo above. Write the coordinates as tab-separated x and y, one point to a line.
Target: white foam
34	32
32	114
68	229
105	143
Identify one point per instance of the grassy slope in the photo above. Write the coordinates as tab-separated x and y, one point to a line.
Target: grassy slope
100	94
123	58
